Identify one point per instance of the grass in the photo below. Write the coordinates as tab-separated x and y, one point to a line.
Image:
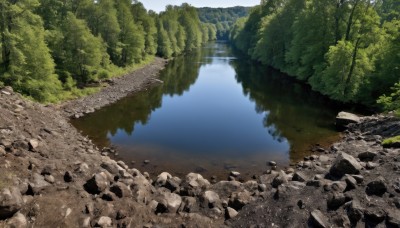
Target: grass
391	141
115	72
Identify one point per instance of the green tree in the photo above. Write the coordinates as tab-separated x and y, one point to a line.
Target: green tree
26	62
82	54
131	38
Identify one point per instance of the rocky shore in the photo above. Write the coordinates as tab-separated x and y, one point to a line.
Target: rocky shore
51	176
116	89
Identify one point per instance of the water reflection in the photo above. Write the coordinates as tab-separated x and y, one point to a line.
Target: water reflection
214	113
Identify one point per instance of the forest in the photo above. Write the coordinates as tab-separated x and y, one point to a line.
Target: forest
345	49
222	18
52	49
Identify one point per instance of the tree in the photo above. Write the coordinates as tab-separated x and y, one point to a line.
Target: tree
83	54
29	70
131	37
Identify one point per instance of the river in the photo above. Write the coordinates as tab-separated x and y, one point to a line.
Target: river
214	113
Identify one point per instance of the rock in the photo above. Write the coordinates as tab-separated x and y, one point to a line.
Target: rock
173	184
376	187
49	178
189	205
86	222
121	190
351	182
235	174
335	200
393	218
153	205
104	222
68	177
280	179
170	201
345	118
97	183
300	177
240	199
162	179
371	165
2	151
37	183
111	166
17	221
374	215
355	211
338	186
33	144
146	162
141	189
48	169
210	199
272	163
82	168
10	202
341	220
358	178
319	220
324	159
345	164
367	156
194	184
20	144
108	196
396	202
301	204
262	187
121	214
230	213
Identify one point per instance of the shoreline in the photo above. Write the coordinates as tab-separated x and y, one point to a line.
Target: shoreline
116	89
53	176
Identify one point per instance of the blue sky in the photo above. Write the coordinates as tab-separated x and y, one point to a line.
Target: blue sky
158	5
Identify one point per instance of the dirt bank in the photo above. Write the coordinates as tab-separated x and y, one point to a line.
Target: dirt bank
51	176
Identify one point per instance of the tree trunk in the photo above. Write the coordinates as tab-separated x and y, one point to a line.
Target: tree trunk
353	65
350	20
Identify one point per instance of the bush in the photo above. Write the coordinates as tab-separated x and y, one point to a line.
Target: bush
391	102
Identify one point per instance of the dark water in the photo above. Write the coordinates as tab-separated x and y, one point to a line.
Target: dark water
214	113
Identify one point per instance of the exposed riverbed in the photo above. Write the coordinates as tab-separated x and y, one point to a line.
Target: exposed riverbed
214	113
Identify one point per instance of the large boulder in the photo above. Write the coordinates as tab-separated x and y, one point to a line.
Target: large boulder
169	202
377	187
345	118
280	179
194	184
210	199
97	184
141	189
10	202
38	183
162	179
240	199
345	164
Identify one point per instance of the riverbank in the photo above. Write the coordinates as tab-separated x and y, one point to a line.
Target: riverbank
54	177
115	89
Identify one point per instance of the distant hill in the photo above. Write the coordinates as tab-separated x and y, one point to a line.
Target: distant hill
222	18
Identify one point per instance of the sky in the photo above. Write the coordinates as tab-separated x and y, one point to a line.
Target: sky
159	5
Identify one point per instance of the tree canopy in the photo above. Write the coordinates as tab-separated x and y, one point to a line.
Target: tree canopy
50	48
347	49
222	18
